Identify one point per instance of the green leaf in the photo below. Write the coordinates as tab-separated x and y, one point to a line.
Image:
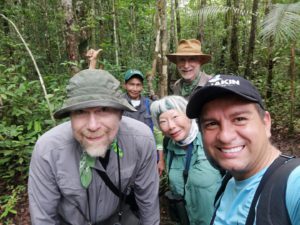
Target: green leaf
85	169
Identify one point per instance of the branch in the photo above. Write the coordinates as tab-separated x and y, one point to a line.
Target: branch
35	65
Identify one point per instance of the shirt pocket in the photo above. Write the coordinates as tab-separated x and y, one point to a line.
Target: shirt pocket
127	178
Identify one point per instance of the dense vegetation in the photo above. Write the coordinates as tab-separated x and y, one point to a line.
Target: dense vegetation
255	39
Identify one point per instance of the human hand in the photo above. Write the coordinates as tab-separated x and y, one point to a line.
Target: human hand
161	166
92	56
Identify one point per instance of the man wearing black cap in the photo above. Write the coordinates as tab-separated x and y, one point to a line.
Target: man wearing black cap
81	169
236	130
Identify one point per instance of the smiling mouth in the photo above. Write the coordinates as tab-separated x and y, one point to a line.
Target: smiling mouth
175	134
186	71
232	150
94	137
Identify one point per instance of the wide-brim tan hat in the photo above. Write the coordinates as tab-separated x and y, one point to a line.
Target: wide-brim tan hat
190	47
93	88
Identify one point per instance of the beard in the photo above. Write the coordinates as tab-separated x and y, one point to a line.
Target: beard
97	149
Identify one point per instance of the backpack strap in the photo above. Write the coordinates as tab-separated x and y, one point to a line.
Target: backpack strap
270	171
147	104
221	190
271	207
281	160
188	157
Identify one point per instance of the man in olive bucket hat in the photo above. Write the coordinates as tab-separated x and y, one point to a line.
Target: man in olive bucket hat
188	59
76	165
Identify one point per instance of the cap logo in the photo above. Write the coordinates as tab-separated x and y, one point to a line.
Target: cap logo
218	81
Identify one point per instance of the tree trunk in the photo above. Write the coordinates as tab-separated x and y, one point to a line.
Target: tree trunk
93	31
223	68
178	26
173	44
115	33
248	69
70	36
151	74
270	62
234	45
173	30
47	33
201	23
292	72
101	28
161	4
85	41
270	65
133	27
5	27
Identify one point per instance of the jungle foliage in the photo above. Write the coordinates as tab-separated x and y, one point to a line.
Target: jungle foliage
59	32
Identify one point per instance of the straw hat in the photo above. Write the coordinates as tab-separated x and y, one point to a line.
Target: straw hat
190	47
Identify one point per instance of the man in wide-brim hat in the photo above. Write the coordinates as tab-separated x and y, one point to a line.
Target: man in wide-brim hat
188	59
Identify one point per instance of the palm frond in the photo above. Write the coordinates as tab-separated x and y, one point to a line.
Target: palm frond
215	11
282	23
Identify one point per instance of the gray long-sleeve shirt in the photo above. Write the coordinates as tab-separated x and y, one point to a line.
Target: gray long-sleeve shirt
54	184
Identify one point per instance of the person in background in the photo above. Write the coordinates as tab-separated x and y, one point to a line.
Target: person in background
65	184
236	131
188	59
133	85
192	179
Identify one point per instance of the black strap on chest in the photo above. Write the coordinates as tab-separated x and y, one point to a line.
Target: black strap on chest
273	167
188	158
116	190
272	204
109	183
266	200
221	190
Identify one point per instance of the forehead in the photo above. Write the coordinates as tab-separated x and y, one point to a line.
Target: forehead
134	80
188	58
226	103
170	113
97	108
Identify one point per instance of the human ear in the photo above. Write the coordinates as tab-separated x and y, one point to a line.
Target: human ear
267	121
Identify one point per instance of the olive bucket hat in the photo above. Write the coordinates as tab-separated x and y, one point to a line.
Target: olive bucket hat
92	88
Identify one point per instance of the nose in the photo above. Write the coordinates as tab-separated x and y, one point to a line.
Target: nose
186	63
135	87
226	134
93	123
171	124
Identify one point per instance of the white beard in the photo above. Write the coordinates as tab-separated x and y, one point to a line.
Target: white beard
96	150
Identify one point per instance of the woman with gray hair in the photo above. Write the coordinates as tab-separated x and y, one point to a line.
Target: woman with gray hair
193	182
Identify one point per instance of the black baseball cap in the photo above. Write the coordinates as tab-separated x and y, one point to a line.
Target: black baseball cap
218	86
